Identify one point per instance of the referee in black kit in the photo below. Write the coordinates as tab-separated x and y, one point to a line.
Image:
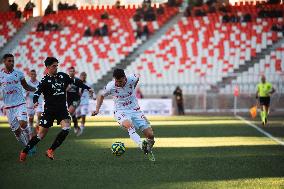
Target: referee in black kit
53	87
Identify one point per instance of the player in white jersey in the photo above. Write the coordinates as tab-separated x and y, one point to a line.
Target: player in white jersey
29	99
127	111
12	83
83	108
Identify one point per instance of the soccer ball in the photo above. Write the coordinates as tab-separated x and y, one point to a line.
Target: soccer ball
118	148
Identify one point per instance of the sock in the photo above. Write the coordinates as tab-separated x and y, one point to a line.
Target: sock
75	121
27	132
59	139
22	138
135	137
262	116
32	143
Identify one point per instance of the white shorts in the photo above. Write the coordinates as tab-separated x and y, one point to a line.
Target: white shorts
82	110
137	118
31	111
16	114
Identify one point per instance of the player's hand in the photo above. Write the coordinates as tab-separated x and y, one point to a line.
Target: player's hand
91	92
36	105
95	113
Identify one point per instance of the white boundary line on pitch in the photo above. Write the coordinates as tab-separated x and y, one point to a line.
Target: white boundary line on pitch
261	130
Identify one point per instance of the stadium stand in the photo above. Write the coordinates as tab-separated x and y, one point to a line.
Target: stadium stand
198	52
8	26
95	55
271	66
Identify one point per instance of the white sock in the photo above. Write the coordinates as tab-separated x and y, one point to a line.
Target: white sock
23	139
135	137
27	131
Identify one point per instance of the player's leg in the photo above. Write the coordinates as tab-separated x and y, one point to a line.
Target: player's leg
125	122
65	121
140	122
45	122
83	109
72	111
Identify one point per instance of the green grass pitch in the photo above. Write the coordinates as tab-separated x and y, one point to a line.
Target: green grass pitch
191	152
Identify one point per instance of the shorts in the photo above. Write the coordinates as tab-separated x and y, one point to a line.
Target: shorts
32	111
16	114
264	101
48	116
74	103
82	110
137	118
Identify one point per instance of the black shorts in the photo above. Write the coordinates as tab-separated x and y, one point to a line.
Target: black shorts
264	101
48	116
74	103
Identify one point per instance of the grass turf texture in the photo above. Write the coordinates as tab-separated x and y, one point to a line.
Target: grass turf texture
191	152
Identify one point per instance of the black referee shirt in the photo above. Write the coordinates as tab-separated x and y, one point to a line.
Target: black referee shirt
53	89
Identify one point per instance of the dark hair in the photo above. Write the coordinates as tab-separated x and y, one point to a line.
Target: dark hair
33	71
118	73
83	73
7	56
49	61
71	68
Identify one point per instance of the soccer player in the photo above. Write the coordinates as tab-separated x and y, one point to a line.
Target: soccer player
127	111
264	91
12	83
53	87
83	108
29	99
73	99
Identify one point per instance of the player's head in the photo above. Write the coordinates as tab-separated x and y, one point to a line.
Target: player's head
51	64
8	60
33	75
119	77
83	76
71	72
263	79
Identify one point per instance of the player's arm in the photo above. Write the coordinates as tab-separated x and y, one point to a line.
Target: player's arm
137	80
26	86
100	100
38	92
272	91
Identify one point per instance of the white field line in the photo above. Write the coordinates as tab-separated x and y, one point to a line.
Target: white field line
261	130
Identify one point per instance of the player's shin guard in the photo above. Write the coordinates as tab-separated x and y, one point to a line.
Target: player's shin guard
135	137
32	143
27	132
60	138
22	138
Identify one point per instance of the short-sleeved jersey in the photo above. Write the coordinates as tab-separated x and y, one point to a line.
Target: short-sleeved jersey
30	95
12	88
85	97
73	92
54	88
124	97
264	89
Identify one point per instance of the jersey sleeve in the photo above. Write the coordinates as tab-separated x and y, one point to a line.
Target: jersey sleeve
21	75
107	90
133	78
38	91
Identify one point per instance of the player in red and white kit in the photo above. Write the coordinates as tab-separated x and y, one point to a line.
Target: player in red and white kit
127	111
12	83
29	99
